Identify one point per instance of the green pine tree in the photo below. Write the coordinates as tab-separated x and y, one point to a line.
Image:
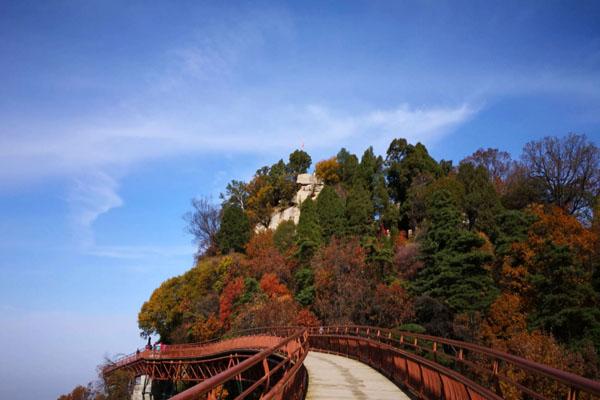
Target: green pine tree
234	231
284	235
481	202
359	211
405	162
372	175
566	303
330	211
299	162
308	232
305	286
370	166
348	167
454	263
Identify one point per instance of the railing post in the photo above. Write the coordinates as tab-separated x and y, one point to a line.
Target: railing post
495	378
572	395
267	374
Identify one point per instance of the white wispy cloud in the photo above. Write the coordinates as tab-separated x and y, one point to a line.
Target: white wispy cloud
140	252
192	104
257	130
91	196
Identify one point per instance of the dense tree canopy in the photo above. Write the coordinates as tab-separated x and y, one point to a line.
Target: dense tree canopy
330	212
500	252
455	261
308	233
299	162
404	162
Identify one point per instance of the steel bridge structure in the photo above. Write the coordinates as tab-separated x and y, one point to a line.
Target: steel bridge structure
267	363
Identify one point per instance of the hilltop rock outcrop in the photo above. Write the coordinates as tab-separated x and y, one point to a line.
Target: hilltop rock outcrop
310	187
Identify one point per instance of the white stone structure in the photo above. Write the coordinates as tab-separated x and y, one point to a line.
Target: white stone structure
142	388
310	187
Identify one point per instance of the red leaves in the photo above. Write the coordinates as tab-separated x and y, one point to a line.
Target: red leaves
341	281
393	304
563	229
263	257
230	294
307	318
272	287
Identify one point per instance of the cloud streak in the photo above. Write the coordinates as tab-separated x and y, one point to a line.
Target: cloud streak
91	196
127	142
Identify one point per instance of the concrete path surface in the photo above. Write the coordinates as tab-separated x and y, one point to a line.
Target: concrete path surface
333	377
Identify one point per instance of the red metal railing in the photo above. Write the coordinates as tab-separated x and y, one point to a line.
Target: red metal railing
430	367
473	363
287	379
194	350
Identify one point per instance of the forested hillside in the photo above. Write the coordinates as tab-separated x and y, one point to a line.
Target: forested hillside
494	250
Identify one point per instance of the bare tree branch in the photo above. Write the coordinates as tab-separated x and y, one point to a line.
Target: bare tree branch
569	169
203	223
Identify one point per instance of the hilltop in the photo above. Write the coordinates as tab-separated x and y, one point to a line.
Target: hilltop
495	251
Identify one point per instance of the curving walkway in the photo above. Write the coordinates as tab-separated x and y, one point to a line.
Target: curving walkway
334	377
330	377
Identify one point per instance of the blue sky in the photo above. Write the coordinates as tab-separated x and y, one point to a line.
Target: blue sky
113	116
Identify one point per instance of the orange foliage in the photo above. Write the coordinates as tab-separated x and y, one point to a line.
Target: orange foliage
207	329
543	349
263	257
270	284
258	207
513	272
400	239
280	311
505	319
307	318
79	393
219	393
561	228
328	171
230	294
341	281
554	225
505	329
392	304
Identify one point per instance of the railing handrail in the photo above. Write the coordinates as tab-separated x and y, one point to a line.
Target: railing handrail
389	336
567	378
219	379
142	355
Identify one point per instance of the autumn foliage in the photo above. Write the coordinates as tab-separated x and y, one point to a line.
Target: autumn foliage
263	257
478	252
